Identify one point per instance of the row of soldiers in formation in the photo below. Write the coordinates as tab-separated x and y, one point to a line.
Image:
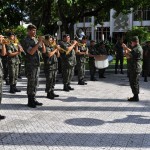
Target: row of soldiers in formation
72	53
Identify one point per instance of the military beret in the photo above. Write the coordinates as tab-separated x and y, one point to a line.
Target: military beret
31	26
47	36
66	35
134	38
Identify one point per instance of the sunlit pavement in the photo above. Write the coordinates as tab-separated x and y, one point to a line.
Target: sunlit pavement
96	116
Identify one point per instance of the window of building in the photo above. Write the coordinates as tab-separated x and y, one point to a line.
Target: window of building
88	32
106	32
142	14
146	14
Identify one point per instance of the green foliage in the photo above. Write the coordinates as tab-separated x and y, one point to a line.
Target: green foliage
46	13
110	47
125	5
20	31
10	13
141	32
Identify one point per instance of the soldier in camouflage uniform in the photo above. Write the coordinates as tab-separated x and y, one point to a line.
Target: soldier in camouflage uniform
81	59
92	53
146	60
13	60
31	47
68	60
2	53
134	56
50	65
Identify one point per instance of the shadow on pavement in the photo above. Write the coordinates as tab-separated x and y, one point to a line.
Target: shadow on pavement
136	119
100	140
78	108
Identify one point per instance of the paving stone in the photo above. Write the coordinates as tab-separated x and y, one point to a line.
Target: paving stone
92	117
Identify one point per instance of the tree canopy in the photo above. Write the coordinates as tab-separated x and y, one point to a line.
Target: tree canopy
45	13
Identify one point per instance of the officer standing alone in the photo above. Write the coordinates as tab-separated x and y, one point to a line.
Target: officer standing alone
134	56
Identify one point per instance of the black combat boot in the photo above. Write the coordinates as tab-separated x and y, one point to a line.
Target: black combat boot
66	88
31	102
81	82
69	87
36	102
135	98
15	88
12	89
55	95
2	117
131	99
50	95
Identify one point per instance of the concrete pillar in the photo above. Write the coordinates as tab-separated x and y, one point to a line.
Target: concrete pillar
93	28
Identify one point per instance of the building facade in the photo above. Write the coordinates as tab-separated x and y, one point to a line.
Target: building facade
114	26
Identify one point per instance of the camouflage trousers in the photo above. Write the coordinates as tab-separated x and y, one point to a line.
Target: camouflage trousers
13	70
1	83
67	73
134	82
32	79
50	80
81	70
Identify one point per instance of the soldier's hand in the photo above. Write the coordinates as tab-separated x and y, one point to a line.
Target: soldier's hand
58	47
20	49
124	46
75	42
1	39
40	39
87	53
